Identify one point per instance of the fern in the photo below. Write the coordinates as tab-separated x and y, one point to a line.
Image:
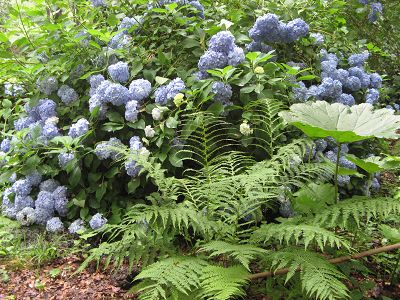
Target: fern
318	277
180	273
297	234
356	211
242	253
266	124
219	283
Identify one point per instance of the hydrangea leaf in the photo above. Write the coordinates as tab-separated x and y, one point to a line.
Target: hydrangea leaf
346	124
371	164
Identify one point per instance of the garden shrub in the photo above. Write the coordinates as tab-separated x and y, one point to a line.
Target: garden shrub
161	118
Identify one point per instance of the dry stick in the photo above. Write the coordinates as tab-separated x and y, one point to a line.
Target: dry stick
334	261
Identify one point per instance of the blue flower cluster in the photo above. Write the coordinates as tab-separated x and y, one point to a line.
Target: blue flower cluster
222	51
5	145
51	198
376	9
223	93
64	158
135	146
104	92
108	149
338	84
13	89
67	94
319	38
47	85
167	92
78	129
97	221
76	226
269	29
97	3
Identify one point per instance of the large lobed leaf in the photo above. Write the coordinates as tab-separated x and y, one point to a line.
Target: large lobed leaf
346	124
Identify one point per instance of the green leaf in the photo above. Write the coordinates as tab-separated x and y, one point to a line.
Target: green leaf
346	124
371	164
161	80
75	176
392	234
314	197
133	185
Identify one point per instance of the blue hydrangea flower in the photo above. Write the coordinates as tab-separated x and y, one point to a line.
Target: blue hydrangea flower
329	67
167	92
328	56
34	178
64	158
353	83
341	75
330	88
20	202
67	94
223	92
343	180
375	81
97	221
60	200
47	85
294	30
83	37
223	42
117	94
95	81
376	11
212	60
26	216
42	215
5	145
375	185
131	111
94	102
105	149
45	201
46	109
49	185
258	47
22	187
346	99
358	60
126	24
131	168
101	90
236	56
79	128
98	3
320	145
77	225
50	131
119	72
362	75
267	28
345	163
119	41
135	143
23	123
140	89
372	96
54	225
318	38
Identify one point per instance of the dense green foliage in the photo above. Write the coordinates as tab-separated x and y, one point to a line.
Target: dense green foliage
224	190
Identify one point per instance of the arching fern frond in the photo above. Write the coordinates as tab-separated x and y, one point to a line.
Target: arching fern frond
207	137
219	283
267	126
241	253
174	273
357	210
319	278
297	234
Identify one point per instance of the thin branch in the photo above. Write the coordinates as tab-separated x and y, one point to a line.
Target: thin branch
334	261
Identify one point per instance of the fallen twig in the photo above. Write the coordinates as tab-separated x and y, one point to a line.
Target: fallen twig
334	261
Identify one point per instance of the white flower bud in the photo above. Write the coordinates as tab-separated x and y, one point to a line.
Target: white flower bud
149	131
245	129
156	113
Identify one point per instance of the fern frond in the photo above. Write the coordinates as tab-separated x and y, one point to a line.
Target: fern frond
319	278
179	273
357	210
297	234
219	283
242	253
266	124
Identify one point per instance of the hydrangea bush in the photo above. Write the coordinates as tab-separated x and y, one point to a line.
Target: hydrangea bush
118	84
